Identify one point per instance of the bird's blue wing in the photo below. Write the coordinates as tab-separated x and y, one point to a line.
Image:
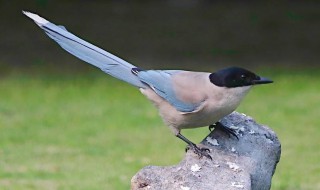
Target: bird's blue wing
161	82
87	52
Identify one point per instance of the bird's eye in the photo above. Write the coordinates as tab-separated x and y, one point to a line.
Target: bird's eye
243	76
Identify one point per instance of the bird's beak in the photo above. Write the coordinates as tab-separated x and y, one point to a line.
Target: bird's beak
262	80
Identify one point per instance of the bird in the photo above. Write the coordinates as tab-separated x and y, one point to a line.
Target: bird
184	99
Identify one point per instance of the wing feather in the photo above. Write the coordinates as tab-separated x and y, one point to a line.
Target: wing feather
161	81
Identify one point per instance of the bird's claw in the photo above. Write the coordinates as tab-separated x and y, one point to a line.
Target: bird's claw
227	130
201	152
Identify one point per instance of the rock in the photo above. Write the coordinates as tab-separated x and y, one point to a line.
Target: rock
247	163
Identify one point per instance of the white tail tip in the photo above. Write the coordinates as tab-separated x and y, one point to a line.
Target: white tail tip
36	18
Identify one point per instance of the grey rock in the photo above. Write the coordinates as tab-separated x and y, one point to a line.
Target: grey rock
247	163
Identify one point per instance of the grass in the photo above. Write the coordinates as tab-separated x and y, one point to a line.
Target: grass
90	131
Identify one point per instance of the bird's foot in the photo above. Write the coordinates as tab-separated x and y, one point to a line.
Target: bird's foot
227	130
201	152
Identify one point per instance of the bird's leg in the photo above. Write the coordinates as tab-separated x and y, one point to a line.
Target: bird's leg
199	151
224	128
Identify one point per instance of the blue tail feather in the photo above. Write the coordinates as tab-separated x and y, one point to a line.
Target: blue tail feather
87	52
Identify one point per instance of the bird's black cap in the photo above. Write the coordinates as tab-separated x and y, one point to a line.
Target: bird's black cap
236	77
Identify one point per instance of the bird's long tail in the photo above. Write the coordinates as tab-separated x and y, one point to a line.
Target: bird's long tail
87	52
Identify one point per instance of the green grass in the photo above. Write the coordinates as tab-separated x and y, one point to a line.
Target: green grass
89	131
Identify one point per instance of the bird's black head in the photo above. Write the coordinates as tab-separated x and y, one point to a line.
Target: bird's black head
236	77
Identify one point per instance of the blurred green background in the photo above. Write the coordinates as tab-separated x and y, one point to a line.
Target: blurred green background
67	125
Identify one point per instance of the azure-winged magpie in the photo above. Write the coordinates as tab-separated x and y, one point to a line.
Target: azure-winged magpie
185	99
